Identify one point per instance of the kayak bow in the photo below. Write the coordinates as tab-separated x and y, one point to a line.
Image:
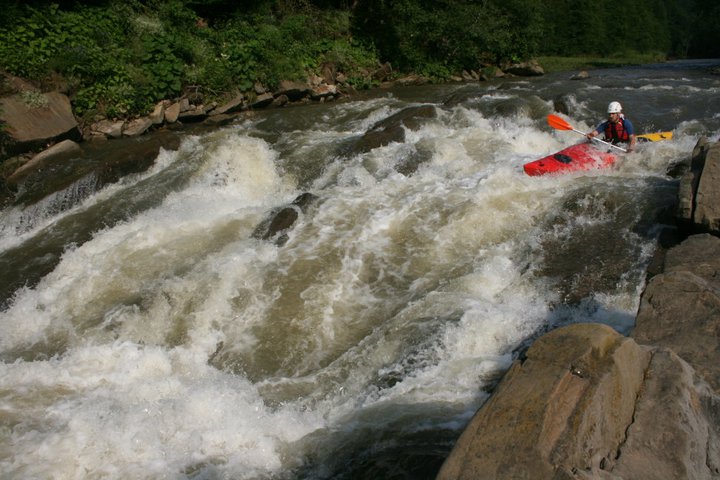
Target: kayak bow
583	156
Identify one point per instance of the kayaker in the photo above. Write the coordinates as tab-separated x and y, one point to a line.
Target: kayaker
617	128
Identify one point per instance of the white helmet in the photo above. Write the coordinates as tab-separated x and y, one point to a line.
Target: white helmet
614	107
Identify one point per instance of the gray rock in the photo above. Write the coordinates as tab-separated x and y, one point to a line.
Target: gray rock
531	68
158	114
680	308
232	106
689	184
221	120
137	126
323	91
329	72
383	73
194	113
674	433
262	100
412	80
108	128
31	125
560	104
294	91
280	101
392	128
565	408
707	198
57	153
588	403
280	221
172	112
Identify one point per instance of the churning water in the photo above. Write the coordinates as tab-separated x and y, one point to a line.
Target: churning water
164	339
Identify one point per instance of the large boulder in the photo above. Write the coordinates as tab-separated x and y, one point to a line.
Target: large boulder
34	119
699	194
674	433
680	308
551	412
707	198
584	404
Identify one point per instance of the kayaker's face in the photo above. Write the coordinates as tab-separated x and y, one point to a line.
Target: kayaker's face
614	117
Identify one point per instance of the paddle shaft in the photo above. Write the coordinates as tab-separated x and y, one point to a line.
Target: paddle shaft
601	141
556	122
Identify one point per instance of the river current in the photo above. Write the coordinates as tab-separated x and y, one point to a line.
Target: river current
173	343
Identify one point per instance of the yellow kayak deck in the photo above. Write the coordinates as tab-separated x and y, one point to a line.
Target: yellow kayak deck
655	137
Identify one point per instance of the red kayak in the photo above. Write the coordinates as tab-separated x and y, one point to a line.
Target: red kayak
583	156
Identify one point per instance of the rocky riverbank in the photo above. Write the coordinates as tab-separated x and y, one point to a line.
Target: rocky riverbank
40	128
586	402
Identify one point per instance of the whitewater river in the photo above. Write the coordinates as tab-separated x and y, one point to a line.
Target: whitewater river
171	342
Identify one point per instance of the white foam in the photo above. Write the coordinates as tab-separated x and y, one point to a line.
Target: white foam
122	410
20	223
119	264
186	348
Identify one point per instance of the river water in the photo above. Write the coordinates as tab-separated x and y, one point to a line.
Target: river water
171	342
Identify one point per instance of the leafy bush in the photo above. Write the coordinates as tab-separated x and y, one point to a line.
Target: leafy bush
159	75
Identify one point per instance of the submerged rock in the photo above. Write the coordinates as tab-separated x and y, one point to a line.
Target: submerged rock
107	165
57	153
392	128
277	225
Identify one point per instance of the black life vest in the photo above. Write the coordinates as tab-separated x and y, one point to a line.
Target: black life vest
616	132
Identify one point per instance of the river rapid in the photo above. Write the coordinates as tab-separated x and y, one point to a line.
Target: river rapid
172	343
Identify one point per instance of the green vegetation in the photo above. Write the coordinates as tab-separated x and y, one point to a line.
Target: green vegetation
120	58
117	58
33	99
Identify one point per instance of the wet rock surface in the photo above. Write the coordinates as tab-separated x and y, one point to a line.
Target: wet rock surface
589	403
